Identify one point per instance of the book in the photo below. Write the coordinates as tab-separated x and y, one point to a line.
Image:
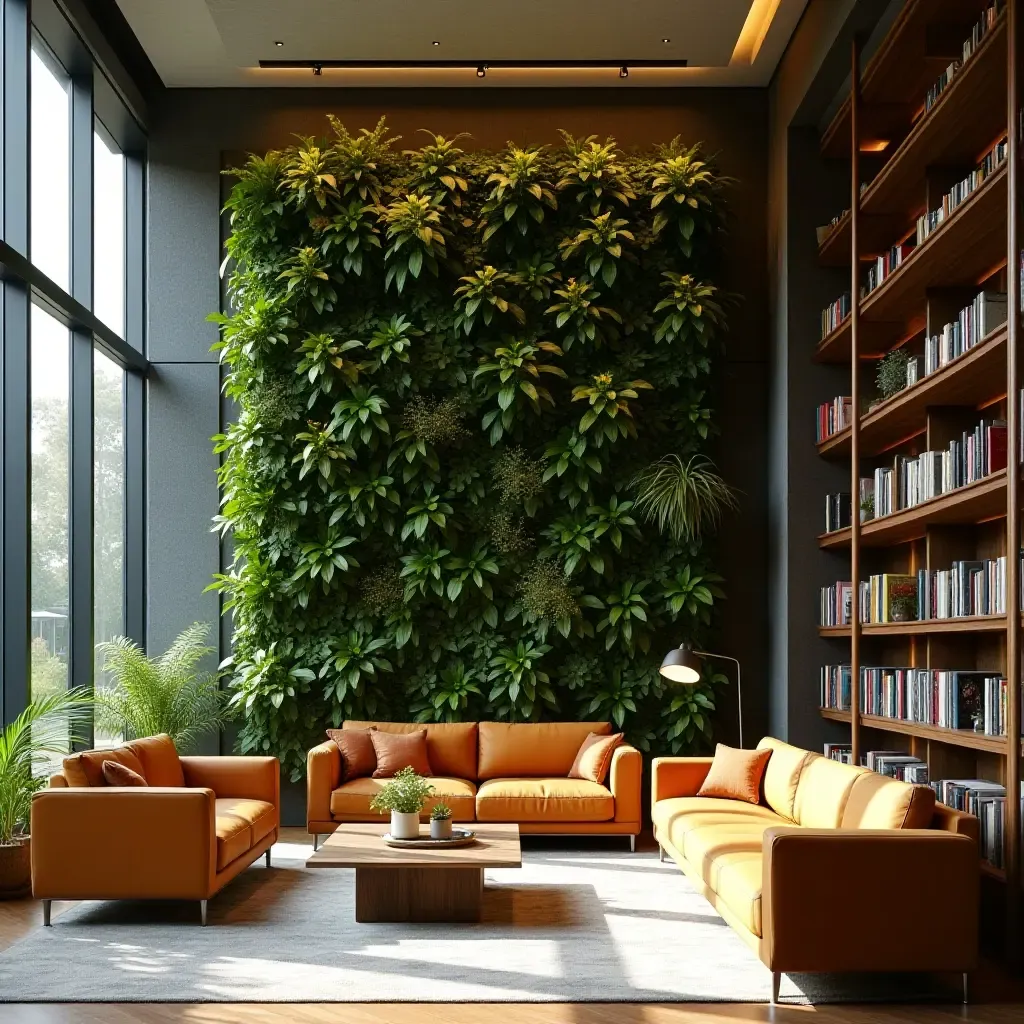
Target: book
837	512
841	752
974	323
968	587
832	417
833	315
881	594
836	691
836	604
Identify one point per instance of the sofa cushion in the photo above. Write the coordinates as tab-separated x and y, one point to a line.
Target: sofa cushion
782	775
397	751
532	749
559	799
117	774
240	824
879	802
737	881
86	768
823	791
735	774
594	757
358	758
676	817
351	800
159	758
451	746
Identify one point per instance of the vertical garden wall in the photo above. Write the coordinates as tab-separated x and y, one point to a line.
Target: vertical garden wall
466	478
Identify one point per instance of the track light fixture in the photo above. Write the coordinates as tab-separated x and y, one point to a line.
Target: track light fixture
481	68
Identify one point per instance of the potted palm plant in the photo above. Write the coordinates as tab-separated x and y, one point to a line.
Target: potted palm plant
167	694
43	731
404	796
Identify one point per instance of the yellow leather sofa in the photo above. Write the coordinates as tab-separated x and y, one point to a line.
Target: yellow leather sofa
836	869
197	823
492	771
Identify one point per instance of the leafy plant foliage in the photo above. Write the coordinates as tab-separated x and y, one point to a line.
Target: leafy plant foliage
448	368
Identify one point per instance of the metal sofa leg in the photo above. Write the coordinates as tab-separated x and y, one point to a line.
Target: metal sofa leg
316	841
632	844
267	855
202	912
46	922
966	989
776	982
661	853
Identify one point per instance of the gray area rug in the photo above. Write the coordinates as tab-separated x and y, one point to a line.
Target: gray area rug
571	925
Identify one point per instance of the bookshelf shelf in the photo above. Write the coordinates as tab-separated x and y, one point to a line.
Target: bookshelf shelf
954	737
962	624
968	246
969	380
974	503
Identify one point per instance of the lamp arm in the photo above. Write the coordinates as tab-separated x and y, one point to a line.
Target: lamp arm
739	685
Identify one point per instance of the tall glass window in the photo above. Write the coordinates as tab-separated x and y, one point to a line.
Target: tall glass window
108	501
50	360
50	228
108	233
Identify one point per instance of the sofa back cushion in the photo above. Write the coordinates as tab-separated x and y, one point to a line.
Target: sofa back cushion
879	802
823	791
451	746
532	749
85	768
782	775
159	758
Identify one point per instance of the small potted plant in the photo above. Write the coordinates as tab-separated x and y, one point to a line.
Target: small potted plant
441	822
404	796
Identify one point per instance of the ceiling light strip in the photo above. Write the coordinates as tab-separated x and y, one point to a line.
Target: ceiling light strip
448	65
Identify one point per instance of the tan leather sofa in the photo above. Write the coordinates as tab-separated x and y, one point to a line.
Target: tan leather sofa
197	824
492	771
837	869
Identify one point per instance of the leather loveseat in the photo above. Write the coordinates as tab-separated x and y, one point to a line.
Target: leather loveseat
190	830
836	869
492	771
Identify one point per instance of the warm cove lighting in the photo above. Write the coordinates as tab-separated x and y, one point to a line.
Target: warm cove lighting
755	28
318	66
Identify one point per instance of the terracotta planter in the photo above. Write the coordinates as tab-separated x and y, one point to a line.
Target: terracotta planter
15	870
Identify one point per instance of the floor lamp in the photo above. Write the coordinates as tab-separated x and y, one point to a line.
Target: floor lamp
683	665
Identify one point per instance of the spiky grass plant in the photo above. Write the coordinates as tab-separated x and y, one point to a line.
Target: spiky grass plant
683	497
165	694
45	729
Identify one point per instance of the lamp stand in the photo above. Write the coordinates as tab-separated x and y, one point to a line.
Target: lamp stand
739	686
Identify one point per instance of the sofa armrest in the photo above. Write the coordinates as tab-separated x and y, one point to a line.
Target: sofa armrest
323	776
677	776
253	778
624	780
869	900
123	843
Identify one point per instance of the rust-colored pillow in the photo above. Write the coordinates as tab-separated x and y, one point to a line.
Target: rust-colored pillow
358	759
117	774
396	751
595	757
736	774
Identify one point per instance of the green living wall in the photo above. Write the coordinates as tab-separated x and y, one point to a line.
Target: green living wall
449	369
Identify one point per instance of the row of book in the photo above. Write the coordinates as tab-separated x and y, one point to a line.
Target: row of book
838	510
979	30
973	324
832	316
913	479
887	597
983	798
949	699
962	190
885	265
968	587
833	416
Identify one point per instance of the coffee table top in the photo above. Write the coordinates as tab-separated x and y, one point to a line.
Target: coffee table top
359	845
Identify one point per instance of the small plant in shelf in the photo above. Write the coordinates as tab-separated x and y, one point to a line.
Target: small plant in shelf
441	822
891	375
867	508
404	796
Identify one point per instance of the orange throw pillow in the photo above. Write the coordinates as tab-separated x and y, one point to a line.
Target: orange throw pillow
357	757
595	757
736	774
396	751
117	774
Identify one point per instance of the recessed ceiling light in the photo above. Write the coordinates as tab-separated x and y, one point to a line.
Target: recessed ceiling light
436	42
665	39
278	42
623	72
481	72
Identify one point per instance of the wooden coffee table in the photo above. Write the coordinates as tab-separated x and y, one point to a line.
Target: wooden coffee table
418	884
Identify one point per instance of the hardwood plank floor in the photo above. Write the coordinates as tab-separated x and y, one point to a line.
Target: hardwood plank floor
996	999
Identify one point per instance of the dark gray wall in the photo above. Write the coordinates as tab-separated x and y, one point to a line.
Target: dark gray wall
191	130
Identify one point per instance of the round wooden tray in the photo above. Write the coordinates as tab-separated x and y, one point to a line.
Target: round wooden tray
460	837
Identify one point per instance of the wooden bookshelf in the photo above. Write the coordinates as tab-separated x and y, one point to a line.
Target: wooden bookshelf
902	160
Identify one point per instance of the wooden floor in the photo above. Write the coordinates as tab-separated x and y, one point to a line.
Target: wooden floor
996	999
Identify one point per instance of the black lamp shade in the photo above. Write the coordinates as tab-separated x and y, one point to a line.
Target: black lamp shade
681	665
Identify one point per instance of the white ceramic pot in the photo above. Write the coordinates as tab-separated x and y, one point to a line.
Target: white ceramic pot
440	828
405	826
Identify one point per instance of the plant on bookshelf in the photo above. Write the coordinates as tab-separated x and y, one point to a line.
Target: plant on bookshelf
891	376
